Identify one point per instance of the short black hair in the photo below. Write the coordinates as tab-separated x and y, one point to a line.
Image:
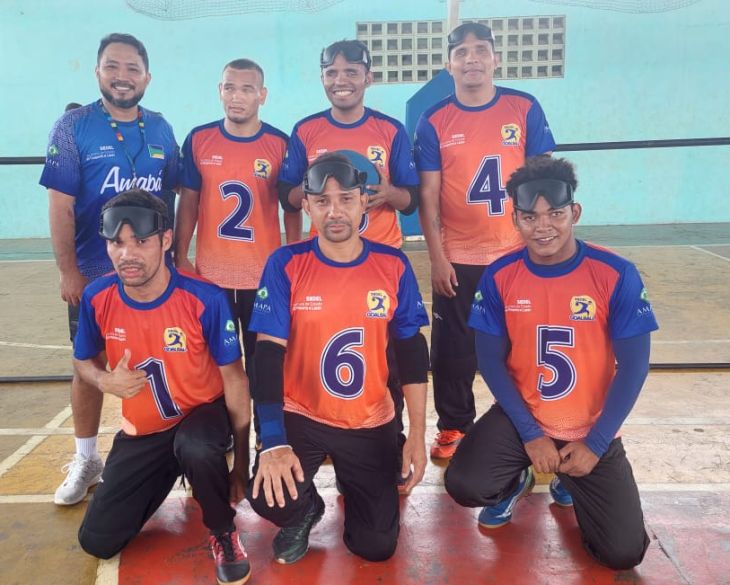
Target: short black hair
246	65
456	37
125	39
71	106
140	198
542	167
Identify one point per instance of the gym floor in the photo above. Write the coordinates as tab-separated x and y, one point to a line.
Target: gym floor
677	438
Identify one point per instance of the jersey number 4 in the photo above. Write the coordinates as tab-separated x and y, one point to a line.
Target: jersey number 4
560	365
341	368
486	186
155	370
232	227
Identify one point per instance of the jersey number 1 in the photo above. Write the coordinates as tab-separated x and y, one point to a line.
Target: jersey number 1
486	186
232	227
155	371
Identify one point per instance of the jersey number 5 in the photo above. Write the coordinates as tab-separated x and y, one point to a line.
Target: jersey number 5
155	371
232	227
563	371
342	369
486	186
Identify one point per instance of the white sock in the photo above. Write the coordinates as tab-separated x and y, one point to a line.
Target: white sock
86	446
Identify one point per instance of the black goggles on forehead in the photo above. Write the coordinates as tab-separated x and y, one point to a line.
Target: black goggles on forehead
480	31
353	52
345	174
557	193
143	221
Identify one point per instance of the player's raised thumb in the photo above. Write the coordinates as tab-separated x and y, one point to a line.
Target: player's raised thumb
124	362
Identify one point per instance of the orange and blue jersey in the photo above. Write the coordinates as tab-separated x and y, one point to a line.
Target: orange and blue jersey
380	138
86	161
178	340
337	319
561	321
476	149
238	211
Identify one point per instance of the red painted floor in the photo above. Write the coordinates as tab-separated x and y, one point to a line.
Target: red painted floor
441	544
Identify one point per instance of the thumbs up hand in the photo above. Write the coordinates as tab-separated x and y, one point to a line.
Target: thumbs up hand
121	381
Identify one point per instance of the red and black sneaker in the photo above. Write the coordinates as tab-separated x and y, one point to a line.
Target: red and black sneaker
231	562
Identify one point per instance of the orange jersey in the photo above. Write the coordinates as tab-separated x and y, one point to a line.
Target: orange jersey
560	321
238	212
337	319
383	140
476	149
178	340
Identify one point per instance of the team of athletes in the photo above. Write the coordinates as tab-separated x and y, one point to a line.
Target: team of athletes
330	326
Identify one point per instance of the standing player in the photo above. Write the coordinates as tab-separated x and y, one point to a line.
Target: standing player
94	153
229	171
466	145
562	339
176	364
349	125
324	313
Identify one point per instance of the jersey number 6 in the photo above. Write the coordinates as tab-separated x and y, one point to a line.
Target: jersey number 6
342	369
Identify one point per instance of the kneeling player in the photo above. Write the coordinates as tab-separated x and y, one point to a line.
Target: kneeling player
562	339
176	365
325	311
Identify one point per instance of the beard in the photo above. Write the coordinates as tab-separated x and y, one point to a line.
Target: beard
124	104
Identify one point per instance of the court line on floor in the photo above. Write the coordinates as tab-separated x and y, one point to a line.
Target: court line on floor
33	345
107	571
13	459
47	432
725	258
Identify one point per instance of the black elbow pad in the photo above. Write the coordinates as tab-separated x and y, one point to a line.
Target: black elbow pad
411	355
267	379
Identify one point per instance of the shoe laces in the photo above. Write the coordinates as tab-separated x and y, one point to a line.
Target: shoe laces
227	547
448	436
77	469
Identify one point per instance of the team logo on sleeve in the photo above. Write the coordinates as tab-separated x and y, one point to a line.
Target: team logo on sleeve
478	296
230	326
175	339
376	155
261	168
582	308
53	150
378	304
511	134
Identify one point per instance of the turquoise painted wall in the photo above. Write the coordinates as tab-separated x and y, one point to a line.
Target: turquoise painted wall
627	77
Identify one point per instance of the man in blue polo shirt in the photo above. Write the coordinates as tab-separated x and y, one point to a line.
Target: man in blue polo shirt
95	152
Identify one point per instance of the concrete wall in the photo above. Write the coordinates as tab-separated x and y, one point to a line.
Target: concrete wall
627	77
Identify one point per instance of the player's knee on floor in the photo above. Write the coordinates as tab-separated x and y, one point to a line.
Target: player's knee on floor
101	547
620	554
371	545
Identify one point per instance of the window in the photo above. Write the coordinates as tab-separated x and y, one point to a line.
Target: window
414	51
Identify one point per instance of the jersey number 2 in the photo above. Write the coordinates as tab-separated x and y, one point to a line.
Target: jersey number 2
563	371
155	371
232	227
341	368
486	186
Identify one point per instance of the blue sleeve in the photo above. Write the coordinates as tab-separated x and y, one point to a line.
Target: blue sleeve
219	330
189	174
88	342
295	161
492	354
410	314
539	136
62	170
630	313
427	152
271	312
402	168
171	176
487	309
632	358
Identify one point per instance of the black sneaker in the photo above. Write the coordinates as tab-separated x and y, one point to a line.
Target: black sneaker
292	542
231	562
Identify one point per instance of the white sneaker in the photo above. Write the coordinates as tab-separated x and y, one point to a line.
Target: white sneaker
82	473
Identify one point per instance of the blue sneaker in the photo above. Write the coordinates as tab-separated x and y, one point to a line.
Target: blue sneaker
560	495
501	513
